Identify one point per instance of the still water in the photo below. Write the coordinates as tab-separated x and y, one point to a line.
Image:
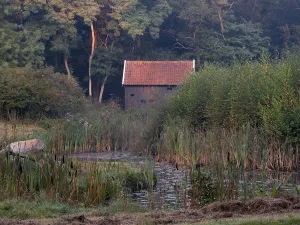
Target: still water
171	190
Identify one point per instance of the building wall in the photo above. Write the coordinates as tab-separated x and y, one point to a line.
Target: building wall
139	96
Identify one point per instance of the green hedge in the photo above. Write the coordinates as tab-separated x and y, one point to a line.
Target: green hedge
28	93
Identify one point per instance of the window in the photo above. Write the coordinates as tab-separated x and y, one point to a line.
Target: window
131	95
169	88
143	101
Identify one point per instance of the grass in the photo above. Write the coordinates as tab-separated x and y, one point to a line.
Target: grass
121	206
281	221
22	209
17	130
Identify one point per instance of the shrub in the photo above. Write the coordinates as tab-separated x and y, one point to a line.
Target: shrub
28	93
263	94
203	189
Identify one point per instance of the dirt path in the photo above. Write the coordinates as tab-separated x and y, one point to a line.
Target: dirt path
259	208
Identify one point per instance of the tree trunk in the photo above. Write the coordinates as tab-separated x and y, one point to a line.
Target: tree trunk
198	59
102	89
67	67
112	45
91	59
221	21
138	47
253	10
221	14
287	36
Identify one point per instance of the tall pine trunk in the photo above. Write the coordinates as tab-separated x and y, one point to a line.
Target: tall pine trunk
91	59
221	15
102	89
138	47
67	67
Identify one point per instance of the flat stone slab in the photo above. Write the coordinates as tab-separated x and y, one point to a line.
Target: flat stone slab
27	146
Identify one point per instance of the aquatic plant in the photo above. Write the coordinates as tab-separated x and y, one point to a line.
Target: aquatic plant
63	179
203	188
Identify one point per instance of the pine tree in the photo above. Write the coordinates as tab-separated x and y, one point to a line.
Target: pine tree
19	46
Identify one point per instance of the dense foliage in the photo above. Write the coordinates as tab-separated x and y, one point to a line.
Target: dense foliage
78	37
263	94
28	93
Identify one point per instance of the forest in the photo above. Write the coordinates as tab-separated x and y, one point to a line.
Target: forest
224	146
89	39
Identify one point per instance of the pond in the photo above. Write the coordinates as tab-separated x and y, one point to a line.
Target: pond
170	191
173	183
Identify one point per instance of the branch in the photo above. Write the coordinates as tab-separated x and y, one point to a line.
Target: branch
180	45
228	9
221	15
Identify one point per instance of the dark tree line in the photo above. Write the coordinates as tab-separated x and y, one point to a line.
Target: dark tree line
89	39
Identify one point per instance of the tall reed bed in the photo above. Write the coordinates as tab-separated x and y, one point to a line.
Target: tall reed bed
66	180
100	129
227	155
249	148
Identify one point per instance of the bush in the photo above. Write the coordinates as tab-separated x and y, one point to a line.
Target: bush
203	189
28	93
262	94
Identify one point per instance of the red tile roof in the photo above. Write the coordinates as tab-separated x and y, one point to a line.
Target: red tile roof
156	72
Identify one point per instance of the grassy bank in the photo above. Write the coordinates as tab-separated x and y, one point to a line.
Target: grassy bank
22	209
284	221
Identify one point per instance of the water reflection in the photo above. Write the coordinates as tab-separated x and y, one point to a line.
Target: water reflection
173	183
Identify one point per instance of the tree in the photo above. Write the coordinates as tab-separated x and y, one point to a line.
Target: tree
222	7
245	40
19	46
104	34
201	37
62	15
135	17
196	35
106	63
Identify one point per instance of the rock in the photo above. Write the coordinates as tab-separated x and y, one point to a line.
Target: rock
23	147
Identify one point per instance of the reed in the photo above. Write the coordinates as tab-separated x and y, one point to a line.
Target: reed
229	155
103	129
66	180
